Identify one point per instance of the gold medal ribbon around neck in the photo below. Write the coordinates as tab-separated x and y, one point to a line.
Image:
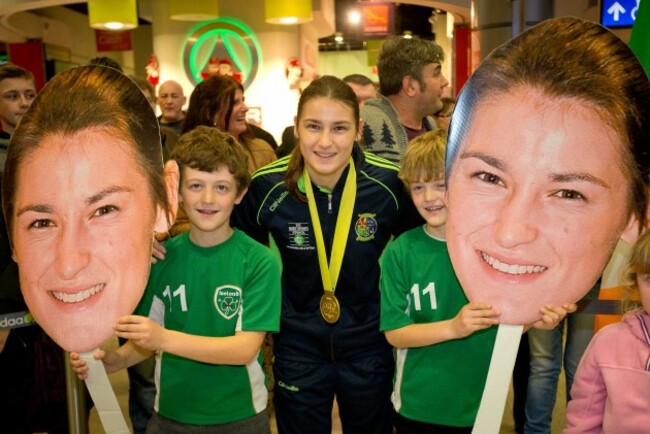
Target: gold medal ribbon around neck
329	304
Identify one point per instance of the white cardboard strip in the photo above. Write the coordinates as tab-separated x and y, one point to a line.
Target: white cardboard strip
104	397
502	363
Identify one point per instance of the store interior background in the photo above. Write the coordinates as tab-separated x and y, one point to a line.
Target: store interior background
62	29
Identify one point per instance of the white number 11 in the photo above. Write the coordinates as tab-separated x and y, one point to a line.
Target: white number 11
180	293
430	290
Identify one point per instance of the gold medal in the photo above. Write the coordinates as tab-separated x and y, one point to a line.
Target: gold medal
329	307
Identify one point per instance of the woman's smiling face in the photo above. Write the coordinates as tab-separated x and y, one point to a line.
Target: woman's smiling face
326	131
83	229
537	198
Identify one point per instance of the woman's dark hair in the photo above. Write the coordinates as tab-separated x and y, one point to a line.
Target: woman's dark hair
81	98
211	104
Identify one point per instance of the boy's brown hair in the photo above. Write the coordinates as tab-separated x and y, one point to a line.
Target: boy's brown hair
207	149
424	159
9	70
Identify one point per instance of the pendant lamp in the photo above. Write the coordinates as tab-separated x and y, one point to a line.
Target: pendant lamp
113	14
193	10
287	11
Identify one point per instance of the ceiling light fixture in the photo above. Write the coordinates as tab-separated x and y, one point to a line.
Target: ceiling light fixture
193	10
287	11
113	14
354	16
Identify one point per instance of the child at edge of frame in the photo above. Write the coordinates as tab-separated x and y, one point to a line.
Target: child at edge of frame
611	386
207	306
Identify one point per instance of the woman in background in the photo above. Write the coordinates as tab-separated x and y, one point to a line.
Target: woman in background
218	102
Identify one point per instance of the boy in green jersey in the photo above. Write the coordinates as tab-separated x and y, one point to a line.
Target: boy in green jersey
443	342
208	305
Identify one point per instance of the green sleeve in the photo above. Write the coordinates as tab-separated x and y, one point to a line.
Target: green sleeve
262	292
394	289
144	306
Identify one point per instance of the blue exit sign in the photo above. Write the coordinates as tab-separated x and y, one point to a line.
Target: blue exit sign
618	13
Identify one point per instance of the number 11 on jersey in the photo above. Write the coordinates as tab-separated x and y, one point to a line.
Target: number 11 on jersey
429	290
180	293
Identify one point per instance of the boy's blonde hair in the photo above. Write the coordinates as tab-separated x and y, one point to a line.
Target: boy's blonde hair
637	263
424	159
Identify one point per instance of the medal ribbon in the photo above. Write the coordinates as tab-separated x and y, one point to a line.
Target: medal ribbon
330	274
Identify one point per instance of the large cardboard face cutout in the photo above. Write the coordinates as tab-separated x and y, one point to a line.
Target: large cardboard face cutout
539	189
85	202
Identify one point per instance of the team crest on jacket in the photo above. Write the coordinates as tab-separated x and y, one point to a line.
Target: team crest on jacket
227	300
366	227
299	237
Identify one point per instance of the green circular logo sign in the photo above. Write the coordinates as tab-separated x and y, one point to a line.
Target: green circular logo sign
223	38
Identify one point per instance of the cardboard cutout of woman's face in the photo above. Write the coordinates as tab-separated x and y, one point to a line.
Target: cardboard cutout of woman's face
531	198
540	178
83	225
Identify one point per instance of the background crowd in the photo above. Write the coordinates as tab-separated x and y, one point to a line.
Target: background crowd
356	287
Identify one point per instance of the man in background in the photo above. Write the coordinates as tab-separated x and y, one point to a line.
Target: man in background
171	100
411	84
168	137
362	86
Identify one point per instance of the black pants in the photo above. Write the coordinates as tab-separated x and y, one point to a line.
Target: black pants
408	426
304	394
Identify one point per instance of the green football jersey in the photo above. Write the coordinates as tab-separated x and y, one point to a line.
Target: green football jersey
442	383
214	291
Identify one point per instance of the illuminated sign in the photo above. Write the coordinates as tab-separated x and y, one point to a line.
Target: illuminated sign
223	38
618	13
377	19
113	41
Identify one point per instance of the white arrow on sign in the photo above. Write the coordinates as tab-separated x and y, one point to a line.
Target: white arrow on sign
616	9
